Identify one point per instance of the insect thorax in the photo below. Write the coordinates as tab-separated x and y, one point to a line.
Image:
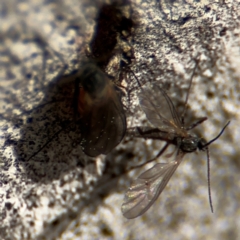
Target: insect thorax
93	80
192	143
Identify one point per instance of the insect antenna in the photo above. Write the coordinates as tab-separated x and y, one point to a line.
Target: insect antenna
205	146
208	179
214	139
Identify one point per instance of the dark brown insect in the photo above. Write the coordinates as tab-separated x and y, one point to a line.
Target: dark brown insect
98	102
170	128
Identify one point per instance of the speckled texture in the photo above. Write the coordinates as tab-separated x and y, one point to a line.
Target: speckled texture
60	192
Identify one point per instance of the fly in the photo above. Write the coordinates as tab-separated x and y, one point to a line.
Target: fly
98	103
161	112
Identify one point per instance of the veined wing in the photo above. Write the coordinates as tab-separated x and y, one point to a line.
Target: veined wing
160	110
147	187
104	127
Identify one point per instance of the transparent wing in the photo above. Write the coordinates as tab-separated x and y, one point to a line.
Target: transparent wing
160	110
147	187
98	103
104	127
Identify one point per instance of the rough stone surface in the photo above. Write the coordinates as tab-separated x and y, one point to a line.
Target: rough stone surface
59	193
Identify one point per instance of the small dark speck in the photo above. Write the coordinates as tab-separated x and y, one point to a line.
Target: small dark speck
32	223
29	75
129	155
71	42
51	204
185	19
31	143
73	72
38	40
123	64
62	183
34	55
16	126
8	206
152	56
223	32
29	120
36	89
74	27
60	17
207	9
55	222
210	95
106	231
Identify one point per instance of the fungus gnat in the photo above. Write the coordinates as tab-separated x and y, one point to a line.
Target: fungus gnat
97	101
98	111
161	112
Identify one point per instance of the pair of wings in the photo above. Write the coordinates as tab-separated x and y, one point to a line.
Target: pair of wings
145	190
104	126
